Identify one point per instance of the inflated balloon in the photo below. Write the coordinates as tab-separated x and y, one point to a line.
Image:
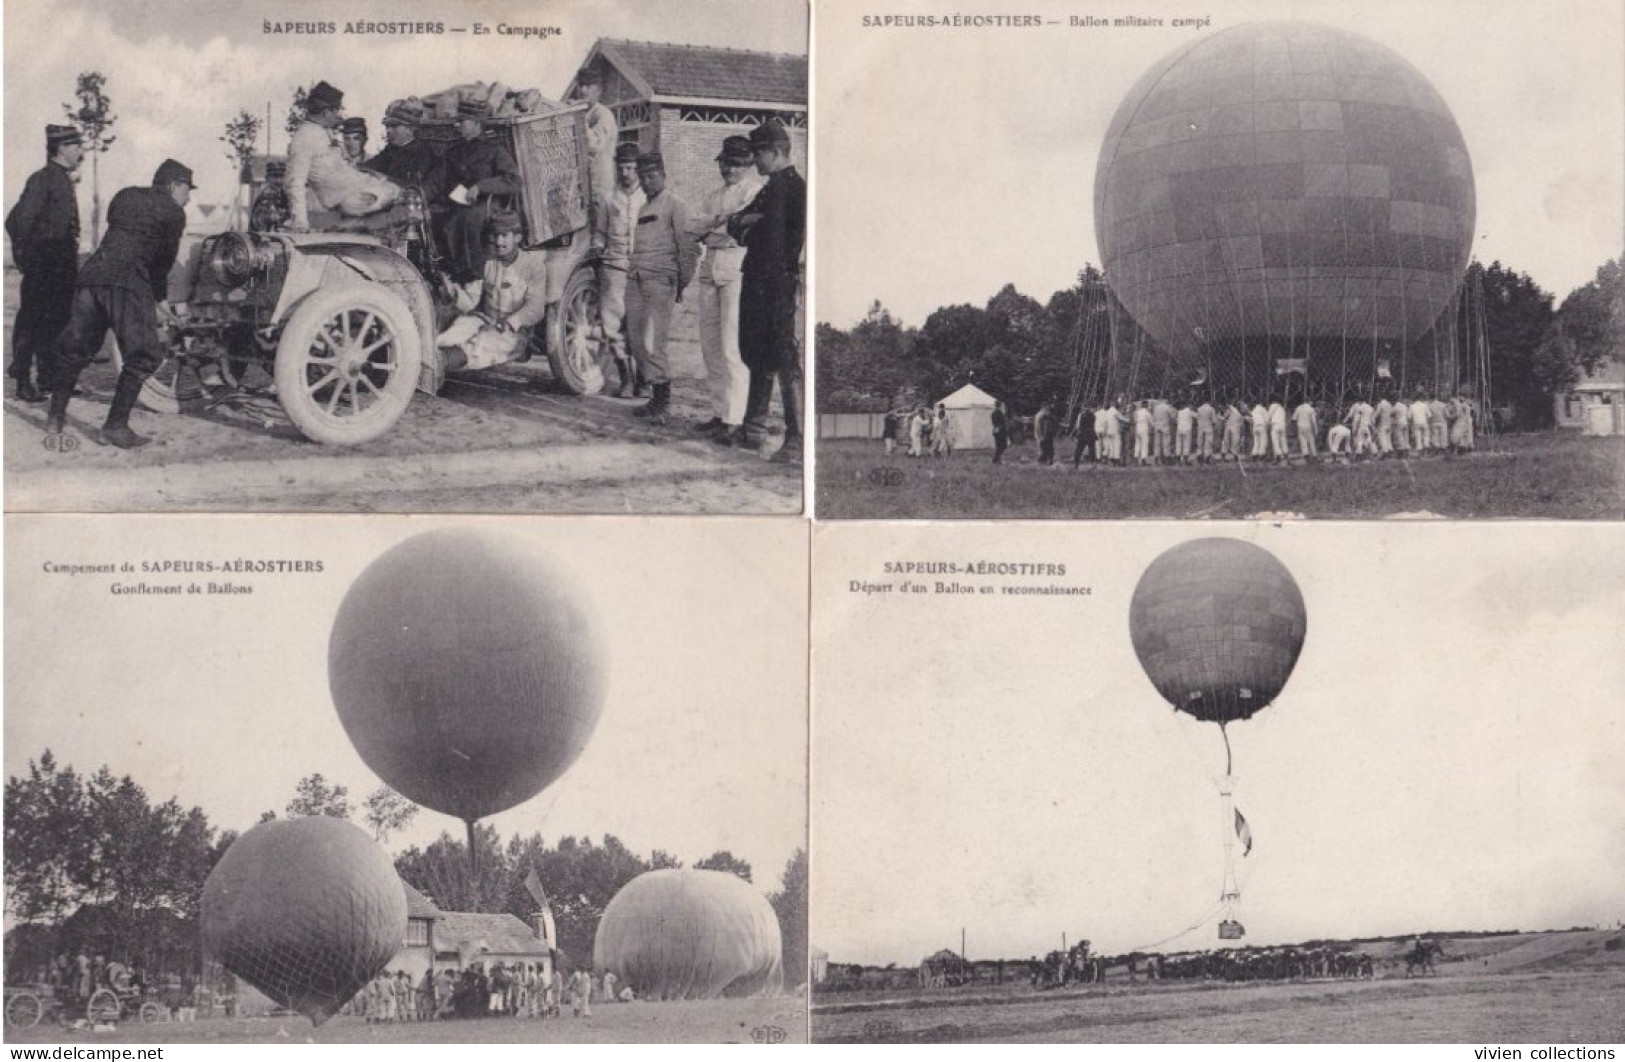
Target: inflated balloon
1284	190
1218	625
691	934
307	911
467	672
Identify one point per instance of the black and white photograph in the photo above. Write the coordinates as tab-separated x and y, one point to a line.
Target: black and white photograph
405	256
1088	261
1253	782
379	781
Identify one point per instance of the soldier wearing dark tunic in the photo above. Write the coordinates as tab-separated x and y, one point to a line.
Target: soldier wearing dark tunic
771	229
406	160
483	168
44	231
119	288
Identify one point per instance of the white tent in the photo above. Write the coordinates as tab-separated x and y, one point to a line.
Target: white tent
970	411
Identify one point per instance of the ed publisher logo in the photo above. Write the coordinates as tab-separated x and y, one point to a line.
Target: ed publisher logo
767	1034
60	443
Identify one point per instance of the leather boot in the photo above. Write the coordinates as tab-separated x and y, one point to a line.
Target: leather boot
627	373
116	429
56	420
638	382
655	409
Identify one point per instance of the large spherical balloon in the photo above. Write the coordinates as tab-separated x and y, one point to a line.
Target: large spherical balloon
1276	184
467	672
691	934
1218	624
307	911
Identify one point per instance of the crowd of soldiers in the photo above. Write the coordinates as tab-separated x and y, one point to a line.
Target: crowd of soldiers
649	247
1259	964
1154	432
507	990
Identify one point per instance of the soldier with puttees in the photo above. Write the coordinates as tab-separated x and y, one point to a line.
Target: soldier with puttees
120	288
664	255
478	169
44	230
772	229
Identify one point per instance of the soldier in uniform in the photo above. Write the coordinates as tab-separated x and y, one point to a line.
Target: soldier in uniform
353	137
406	160
664	255
621	220
602	133
319	169
772	229
719	284
477	169
44	230
120	287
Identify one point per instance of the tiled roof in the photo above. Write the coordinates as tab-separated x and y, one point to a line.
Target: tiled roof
691	71
504	934
419	905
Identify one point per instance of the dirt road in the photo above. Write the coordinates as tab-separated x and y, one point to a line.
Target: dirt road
504	440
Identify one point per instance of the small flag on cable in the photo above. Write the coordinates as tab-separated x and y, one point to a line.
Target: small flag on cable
1283	366
1245	833
1384	369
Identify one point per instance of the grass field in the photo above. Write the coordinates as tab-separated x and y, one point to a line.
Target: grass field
782	1020
1528	988
1536	476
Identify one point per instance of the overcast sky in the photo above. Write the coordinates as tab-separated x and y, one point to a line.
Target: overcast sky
223	702
178	70
951	162
1446	755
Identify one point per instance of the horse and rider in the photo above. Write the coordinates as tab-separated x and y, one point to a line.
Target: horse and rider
1420	958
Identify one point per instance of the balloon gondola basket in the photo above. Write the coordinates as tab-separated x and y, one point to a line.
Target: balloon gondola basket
1230	929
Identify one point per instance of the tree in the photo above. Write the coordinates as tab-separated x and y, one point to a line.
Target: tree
241	136
1593	318
315	795
387	812
726	862
790	904
296	109
93	117
1517	317
441	872
103	867
47	841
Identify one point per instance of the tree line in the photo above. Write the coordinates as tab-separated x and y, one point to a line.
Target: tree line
1024	352
93	864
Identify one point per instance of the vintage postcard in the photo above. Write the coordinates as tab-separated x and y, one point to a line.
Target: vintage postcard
372	780
405	256
1247	782
1096	260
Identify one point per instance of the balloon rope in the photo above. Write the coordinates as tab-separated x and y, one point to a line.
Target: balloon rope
473	865
1198	924
1226	735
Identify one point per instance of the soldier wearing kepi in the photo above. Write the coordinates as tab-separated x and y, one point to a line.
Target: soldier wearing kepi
772	229
406	160
621	218
321	175
44	231
719	282
663	258
478	168
120	287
